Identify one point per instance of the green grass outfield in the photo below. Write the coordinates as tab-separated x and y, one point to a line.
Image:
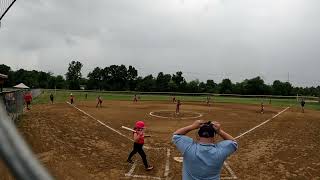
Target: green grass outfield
63	95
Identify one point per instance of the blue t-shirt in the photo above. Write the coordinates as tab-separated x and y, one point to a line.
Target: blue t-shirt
203	161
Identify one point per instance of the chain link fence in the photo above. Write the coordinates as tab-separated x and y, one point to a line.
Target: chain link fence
14	101
14	152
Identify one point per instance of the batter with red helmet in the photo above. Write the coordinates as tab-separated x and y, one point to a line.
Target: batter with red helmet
138	137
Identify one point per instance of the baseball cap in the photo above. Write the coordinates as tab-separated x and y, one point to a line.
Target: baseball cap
207	130
140	124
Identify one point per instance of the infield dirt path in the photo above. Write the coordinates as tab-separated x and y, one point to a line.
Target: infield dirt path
74	146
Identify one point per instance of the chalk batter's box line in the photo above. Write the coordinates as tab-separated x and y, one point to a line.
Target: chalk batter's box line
166	171
167	166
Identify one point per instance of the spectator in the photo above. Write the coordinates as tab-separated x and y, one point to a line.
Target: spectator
28	99
203	159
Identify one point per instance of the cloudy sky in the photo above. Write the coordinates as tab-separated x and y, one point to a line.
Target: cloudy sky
206	39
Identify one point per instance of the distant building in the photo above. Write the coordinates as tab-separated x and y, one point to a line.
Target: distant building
2	79
82	87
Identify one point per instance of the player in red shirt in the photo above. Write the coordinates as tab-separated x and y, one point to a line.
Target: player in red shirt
28	99
99	99
178	107
71	98
138	137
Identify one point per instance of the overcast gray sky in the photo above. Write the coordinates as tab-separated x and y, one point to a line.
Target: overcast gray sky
206	39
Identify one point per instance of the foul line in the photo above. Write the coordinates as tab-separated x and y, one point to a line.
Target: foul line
112	129
242	134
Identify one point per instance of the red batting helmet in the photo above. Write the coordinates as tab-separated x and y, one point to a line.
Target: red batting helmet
140	124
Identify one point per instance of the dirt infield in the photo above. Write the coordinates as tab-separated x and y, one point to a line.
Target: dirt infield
74	145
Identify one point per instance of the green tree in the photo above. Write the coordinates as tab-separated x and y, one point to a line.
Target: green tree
162	82
179	80
132	78
193	86
106	78
95	79
211	86
52	82
282	88
74	75
4	69
60	82
172	86
202	87
238	88
118	77
146	84
225	86
254	86
43	79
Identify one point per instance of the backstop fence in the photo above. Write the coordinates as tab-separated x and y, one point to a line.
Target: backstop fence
13	100
14	152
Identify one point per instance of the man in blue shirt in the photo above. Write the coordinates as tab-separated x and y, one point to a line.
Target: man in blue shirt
204	159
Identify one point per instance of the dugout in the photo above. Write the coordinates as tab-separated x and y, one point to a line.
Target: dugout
2	79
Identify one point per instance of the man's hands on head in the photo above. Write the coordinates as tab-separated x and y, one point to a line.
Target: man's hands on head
217	126
197	124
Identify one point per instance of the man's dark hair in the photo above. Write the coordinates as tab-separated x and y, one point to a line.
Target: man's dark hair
207	130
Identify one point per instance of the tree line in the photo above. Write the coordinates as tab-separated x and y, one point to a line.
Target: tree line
123	78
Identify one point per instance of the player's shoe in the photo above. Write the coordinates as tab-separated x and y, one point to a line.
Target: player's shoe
149	168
